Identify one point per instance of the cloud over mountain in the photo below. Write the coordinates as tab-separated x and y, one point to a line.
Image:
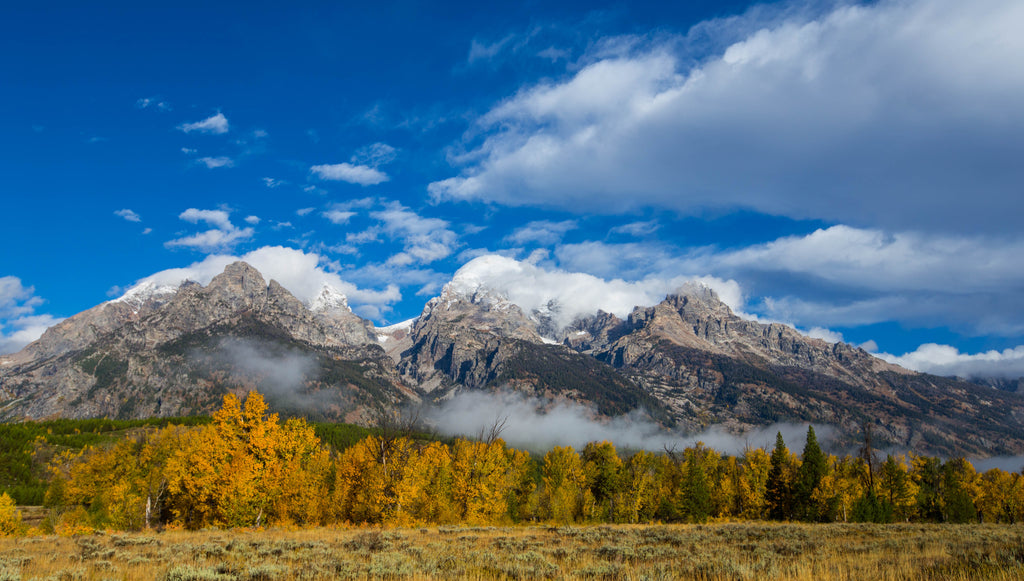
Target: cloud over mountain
905	114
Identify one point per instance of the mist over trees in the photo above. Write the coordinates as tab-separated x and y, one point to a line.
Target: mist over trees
248	468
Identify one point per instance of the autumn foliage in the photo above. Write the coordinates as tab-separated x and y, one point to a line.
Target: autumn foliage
249	469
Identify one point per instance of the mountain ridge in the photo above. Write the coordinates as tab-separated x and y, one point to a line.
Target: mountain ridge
688	360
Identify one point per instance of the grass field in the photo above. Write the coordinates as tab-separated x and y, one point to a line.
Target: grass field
718	551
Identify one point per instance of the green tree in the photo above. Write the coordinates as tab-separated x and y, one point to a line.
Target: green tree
779	489
813	467
697	493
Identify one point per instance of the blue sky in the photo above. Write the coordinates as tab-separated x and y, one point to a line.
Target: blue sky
849	168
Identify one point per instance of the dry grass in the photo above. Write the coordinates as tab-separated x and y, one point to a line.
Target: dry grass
720	551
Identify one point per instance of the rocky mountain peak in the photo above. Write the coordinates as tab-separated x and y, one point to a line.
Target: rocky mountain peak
240	285
329	299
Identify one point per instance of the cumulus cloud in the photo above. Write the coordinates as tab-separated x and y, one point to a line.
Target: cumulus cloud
543	232
215	162
424	240
947	360
216	125
221	236
129	215
302	273
272	183
843	276
375	155
570	295
154	103
252	220
337	216
637	228
19	322
872	258
538	425
900	114
363	175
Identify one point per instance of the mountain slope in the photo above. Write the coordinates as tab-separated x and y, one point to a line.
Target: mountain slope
179	353
688	361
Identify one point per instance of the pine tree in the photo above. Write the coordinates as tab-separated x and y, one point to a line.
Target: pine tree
813	468
779	489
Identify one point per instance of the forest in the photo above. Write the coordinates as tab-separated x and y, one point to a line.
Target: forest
249	468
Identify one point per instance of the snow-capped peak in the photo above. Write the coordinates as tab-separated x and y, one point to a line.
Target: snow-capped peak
481	278
329	299
140	294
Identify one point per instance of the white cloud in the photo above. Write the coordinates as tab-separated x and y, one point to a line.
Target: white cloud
215	162
375	155
19	323
543	232
147	231
16	333
217	218
188	150
129	215
302	273
353	174
869	258
575	294
338	216
843	276
252	220
947	360
211	240
153	102
825	334
424	239
903	114
217	124
222	236
480	51
637	228
272	183
304	211
16	299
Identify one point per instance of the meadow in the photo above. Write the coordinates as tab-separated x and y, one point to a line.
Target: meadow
762	551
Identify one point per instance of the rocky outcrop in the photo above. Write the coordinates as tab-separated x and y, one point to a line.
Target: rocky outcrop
688	360
178	352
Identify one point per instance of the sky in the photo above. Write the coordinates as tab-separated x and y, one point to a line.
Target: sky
852	169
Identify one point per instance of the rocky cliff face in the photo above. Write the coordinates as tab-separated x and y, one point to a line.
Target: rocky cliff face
689	361
178	352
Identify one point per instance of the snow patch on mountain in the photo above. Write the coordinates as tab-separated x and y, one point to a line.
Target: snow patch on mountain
144	292
330	299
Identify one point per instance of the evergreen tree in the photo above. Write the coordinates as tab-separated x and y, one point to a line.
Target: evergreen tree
697	502
779	489
813	468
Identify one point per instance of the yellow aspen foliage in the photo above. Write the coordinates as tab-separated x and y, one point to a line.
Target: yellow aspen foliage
642	490
994	501
896	485
564	482
10	516
247	469
368	480
603	468
753	482
427	487
1015	499
725	487
483	480
849	485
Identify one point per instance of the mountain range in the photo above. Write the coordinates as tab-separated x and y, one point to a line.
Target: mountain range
688	362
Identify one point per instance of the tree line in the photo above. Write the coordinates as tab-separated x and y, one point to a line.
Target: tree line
247	468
